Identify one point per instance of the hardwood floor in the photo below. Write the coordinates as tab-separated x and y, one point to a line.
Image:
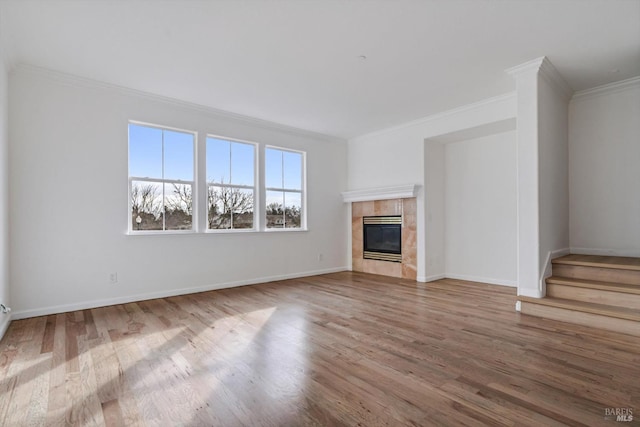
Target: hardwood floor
338	349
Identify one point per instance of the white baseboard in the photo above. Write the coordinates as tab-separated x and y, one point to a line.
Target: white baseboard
430	278
490	280
45	311
606	252
532	293
5	321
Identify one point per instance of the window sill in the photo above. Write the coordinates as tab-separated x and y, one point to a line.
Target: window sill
161	232
211	232
232	231
285	230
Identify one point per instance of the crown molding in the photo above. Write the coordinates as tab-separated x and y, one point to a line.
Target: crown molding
439	116
543	67
78	81
553	76
382	193
527	67
606	89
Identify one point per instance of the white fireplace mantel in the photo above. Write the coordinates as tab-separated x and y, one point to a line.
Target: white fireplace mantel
382	193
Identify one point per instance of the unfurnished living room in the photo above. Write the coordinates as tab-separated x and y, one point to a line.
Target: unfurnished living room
319	212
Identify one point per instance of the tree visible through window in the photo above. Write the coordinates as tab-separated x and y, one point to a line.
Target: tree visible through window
161	178
284	188
230	184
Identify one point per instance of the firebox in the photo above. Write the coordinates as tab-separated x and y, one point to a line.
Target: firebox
382	238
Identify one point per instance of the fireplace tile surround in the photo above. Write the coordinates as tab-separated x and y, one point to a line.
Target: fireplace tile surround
407	269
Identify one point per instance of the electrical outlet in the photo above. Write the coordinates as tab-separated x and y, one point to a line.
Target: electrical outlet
4	309
113	278
320	257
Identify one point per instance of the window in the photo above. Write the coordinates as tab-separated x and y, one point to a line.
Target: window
230	184
161	178
284	181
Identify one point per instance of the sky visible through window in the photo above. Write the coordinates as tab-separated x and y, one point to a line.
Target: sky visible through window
230	163
275	161
145	153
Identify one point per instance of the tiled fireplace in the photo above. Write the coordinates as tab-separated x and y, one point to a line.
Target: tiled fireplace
406	209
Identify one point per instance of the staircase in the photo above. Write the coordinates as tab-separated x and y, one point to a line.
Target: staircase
597	291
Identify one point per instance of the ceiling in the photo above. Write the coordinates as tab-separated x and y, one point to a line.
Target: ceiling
300	63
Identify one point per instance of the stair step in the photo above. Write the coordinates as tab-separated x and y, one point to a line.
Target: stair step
583	268
618	295
601	316
595	284
615	262
587	307
591	290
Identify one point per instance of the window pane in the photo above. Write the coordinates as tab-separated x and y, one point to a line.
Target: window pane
178	155
146	205
218	216
275	210
293	209
218	161
242	208
292	170
178	202
242	163
273	168
145	151
230	208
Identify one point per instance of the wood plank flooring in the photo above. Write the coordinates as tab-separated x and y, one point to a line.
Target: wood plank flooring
343	349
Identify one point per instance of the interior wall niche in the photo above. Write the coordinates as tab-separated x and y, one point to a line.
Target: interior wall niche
406	208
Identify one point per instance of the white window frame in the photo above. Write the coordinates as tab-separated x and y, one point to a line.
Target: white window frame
254	188
302	191
163	181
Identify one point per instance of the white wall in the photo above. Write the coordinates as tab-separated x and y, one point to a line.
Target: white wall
553	176
68	168
604	170
480	209
543	190
435	216
4	194
527	136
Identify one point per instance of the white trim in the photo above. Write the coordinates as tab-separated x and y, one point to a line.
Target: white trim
489	280
431	278
253	188
302	190
606	89
438	116
547	270
606	252
78	81
4	325
382	193
44	311
533	65
531	293
543	67
518	305
160	232
553	76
